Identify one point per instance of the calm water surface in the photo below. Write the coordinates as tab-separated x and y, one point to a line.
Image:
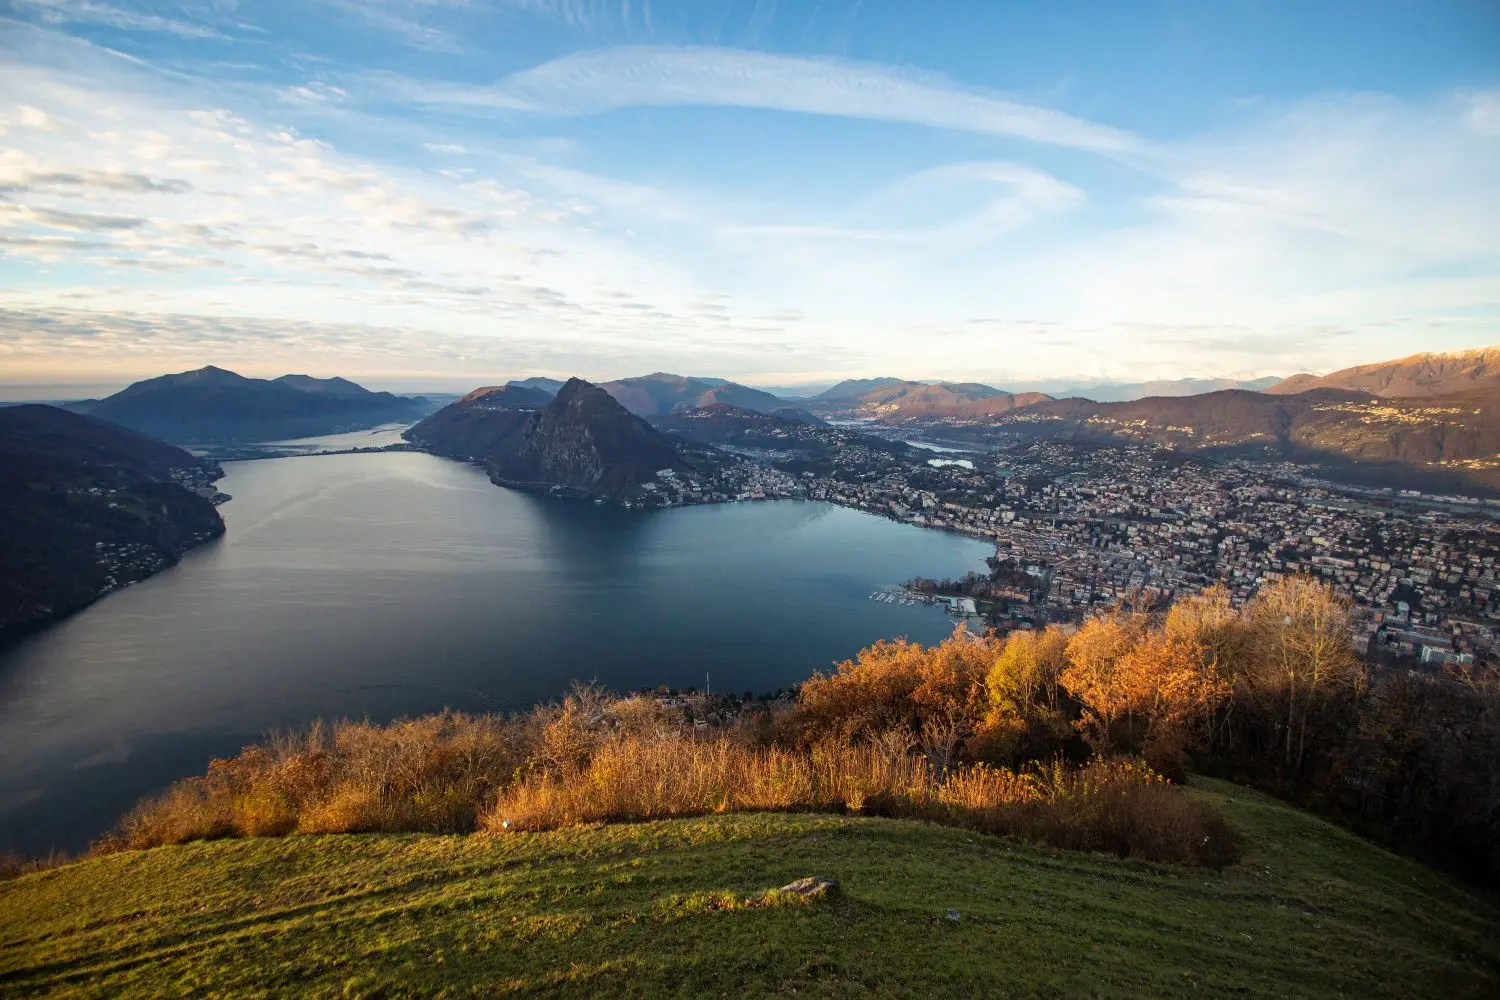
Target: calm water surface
392	584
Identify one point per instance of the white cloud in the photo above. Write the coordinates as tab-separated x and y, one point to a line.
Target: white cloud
33	117
591	83
1482	112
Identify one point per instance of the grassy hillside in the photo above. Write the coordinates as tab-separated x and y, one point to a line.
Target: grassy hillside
677	909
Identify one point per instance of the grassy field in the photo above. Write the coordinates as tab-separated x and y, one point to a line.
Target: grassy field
679	908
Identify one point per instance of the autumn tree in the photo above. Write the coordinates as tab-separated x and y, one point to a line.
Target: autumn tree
1095	653
1210	622
1167	684
1301	670
1026	714
935	692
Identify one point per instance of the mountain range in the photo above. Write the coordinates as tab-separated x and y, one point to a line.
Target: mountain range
214	405
662	392
891	400
87	506
1444	444
1121	392
1420	375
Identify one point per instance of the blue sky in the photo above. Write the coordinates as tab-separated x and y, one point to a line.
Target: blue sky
445	192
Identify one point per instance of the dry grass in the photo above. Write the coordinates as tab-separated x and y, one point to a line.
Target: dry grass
1120	807
592	758
434	774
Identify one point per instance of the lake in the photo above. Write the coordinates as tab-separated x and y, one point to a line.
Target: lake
393	584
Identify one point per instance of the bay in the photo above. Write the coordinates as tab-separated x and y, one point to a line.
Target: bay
391	584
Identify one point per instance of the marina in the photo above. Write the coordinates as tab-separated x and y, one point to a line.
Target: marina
958	607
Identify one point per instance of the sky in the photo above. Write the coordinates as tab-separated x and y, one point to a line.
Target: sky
445	193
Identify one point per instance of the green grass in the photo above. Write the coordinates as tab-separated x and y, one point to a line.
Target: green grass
678	909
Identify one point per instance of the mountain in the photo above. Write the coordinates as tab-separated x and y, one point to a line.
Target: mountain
547	385
1420	375
338	388
86	507
214	405
657	393
798	415
510	394
661	392
852	387
582	441
480	424
796	392
896	400
1442	445
1121	392
734	394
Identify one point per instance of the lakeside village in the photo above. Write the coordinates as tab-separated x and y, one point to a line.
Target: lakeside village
1080	526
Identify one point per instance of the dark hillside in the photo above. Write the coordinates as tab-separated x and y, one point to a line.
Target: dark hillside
86	507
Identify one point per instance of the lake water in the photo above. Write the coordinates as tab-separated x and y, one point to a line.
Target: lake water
371	437
392	584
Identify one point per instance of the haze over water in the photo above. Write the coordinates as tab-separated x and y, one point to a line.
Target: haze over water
394	584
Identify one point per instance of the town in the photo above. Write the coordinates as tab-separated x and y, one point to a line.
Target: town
1079	526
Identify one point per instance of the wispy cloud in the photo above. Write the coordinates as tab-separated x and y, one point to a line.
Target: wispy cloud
178	216
633	76
1026	196
410	20
123	17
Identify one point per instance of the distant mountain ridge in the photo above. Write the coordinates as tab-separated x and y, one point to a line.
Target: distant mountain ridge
1124	392
891	400
215	405
1419	375
582	442
661	392
547	385
87	506
1443	444
852	388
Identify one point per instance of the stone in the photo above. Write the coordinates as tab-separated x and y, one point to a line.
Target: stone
812	886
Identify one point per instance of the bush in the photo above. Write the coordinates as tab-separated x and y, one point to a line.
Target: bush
434	775
1119	807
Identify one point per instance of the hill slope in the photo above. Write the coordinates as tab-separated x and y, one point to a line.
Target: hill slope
1418	375
676	909
1436	444
86	506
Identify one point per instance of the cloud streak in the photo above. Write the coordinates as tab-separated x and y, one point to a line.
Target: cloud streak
592	83
113	16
